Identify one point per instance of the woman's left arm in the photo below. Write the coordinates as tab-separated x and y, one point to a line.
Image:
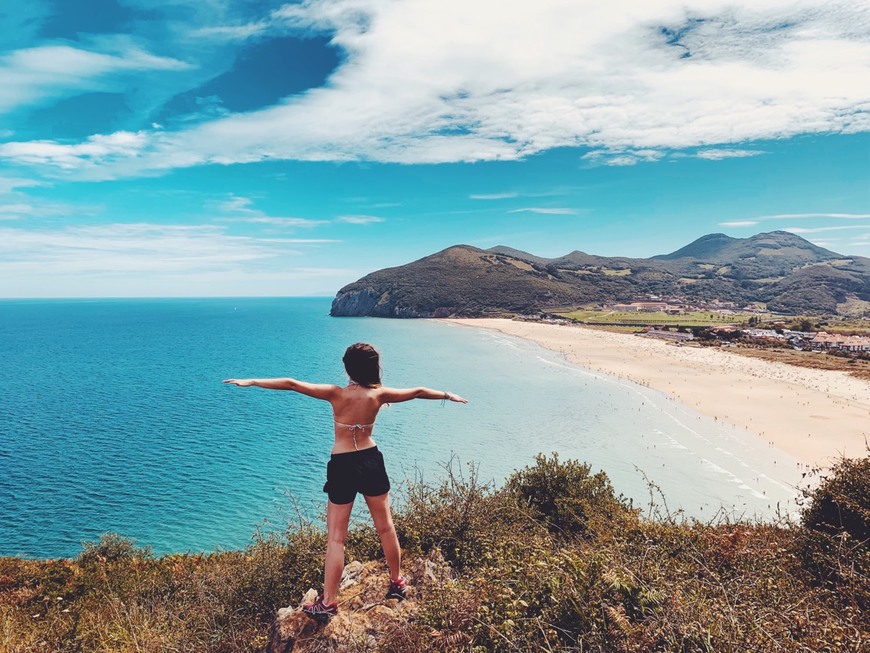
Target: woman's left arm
395	395
317	390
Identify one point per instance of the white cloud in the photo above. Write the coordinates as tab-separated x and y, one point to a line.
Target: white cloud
236	204
618	157
95	150
285	222
33	73
543	210
801	216
232	32
835	216
154	260
20	207
817	230
739	223
9	184
134	248
432	81
241	209
717	154
16	208
359	219
494	196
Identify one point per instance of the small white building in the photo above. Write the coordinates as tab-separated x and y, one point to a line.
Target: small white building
641	307
824	340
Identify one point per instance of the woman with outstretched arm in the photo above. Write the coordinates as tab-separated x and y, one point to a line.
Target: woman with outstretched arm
356	465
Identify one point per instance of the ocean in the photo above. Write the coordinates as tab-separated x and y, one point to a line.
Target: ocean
114	418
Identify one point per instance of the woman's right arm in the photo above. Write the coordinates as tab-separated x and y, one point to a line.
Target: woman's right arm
317	390
396	395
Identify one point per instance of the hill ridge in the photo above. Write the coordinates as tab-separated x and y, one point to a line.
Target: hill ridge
779	269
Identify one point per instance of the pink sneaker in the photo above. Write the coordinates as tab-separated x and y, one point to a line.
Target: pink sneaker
319	611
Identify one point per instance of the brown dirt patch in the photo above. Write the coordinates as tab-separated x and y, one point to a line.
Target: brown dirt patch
814	360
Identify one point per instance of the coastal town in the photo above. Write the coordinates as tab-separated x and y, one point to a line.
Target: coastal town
804	340
715	321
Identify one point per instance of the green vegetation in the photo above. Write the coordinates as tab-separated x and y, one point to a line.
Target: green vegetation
553	560
831	324
846	326
778	269
658	318
597	316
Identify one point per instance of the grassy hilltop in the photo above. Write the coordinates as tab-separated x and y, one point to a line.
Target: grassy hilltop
552	561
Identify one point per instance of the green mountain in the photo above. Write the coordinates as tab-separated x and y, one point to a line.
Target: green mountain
780	269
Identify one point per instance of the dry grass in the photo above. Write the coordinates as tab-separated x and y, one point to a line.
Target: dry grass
552	561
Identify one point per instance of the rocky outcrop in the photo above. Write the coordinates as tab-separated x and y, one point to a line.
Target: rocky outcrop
364	615
374	303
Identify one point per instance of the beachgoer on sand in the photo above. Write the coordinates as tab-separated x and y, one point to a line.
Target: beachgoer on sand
356	465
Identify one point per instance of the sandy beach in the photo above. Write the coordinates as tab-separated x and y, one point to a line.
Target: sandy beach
813	415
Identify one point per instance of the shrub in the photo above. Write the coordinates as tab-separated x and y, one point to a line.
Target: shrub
111	547
835	543
567	498
840	505
461	517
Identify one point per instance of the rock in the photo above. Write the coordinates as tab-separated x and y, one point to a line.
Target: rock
346	626
364	616
289	627
350	575
355	303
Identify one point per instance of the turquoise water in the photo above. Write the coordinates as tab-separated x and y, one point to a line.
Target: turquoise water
114	418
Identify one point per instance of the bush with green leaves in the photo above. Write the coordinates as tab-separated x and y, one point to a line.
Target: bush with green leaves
111	547
567	497
460	516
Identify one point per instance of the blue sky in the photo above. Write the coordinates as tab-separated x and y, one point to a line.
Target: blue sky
251	147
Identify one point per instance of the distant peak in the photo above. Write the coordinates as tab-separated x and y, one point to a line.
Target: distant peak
704	247
787	238
460	248
504	250
719	247
779	235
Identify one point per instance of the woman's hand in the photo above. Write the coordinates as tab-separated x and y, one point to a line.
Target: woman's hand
454	397
242	383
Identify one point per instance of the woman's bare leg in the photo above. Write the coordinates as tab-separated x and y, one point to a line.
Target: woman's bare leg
337	519
379	507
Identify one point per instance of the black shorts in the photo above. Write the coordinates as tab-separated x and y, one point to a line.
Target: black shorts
356	471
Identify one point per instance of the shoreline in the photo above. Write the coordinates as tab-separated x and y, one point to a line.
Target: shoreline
813	415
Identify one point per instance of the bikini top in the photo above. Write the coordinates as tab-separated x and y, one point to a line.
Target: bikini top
354	428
